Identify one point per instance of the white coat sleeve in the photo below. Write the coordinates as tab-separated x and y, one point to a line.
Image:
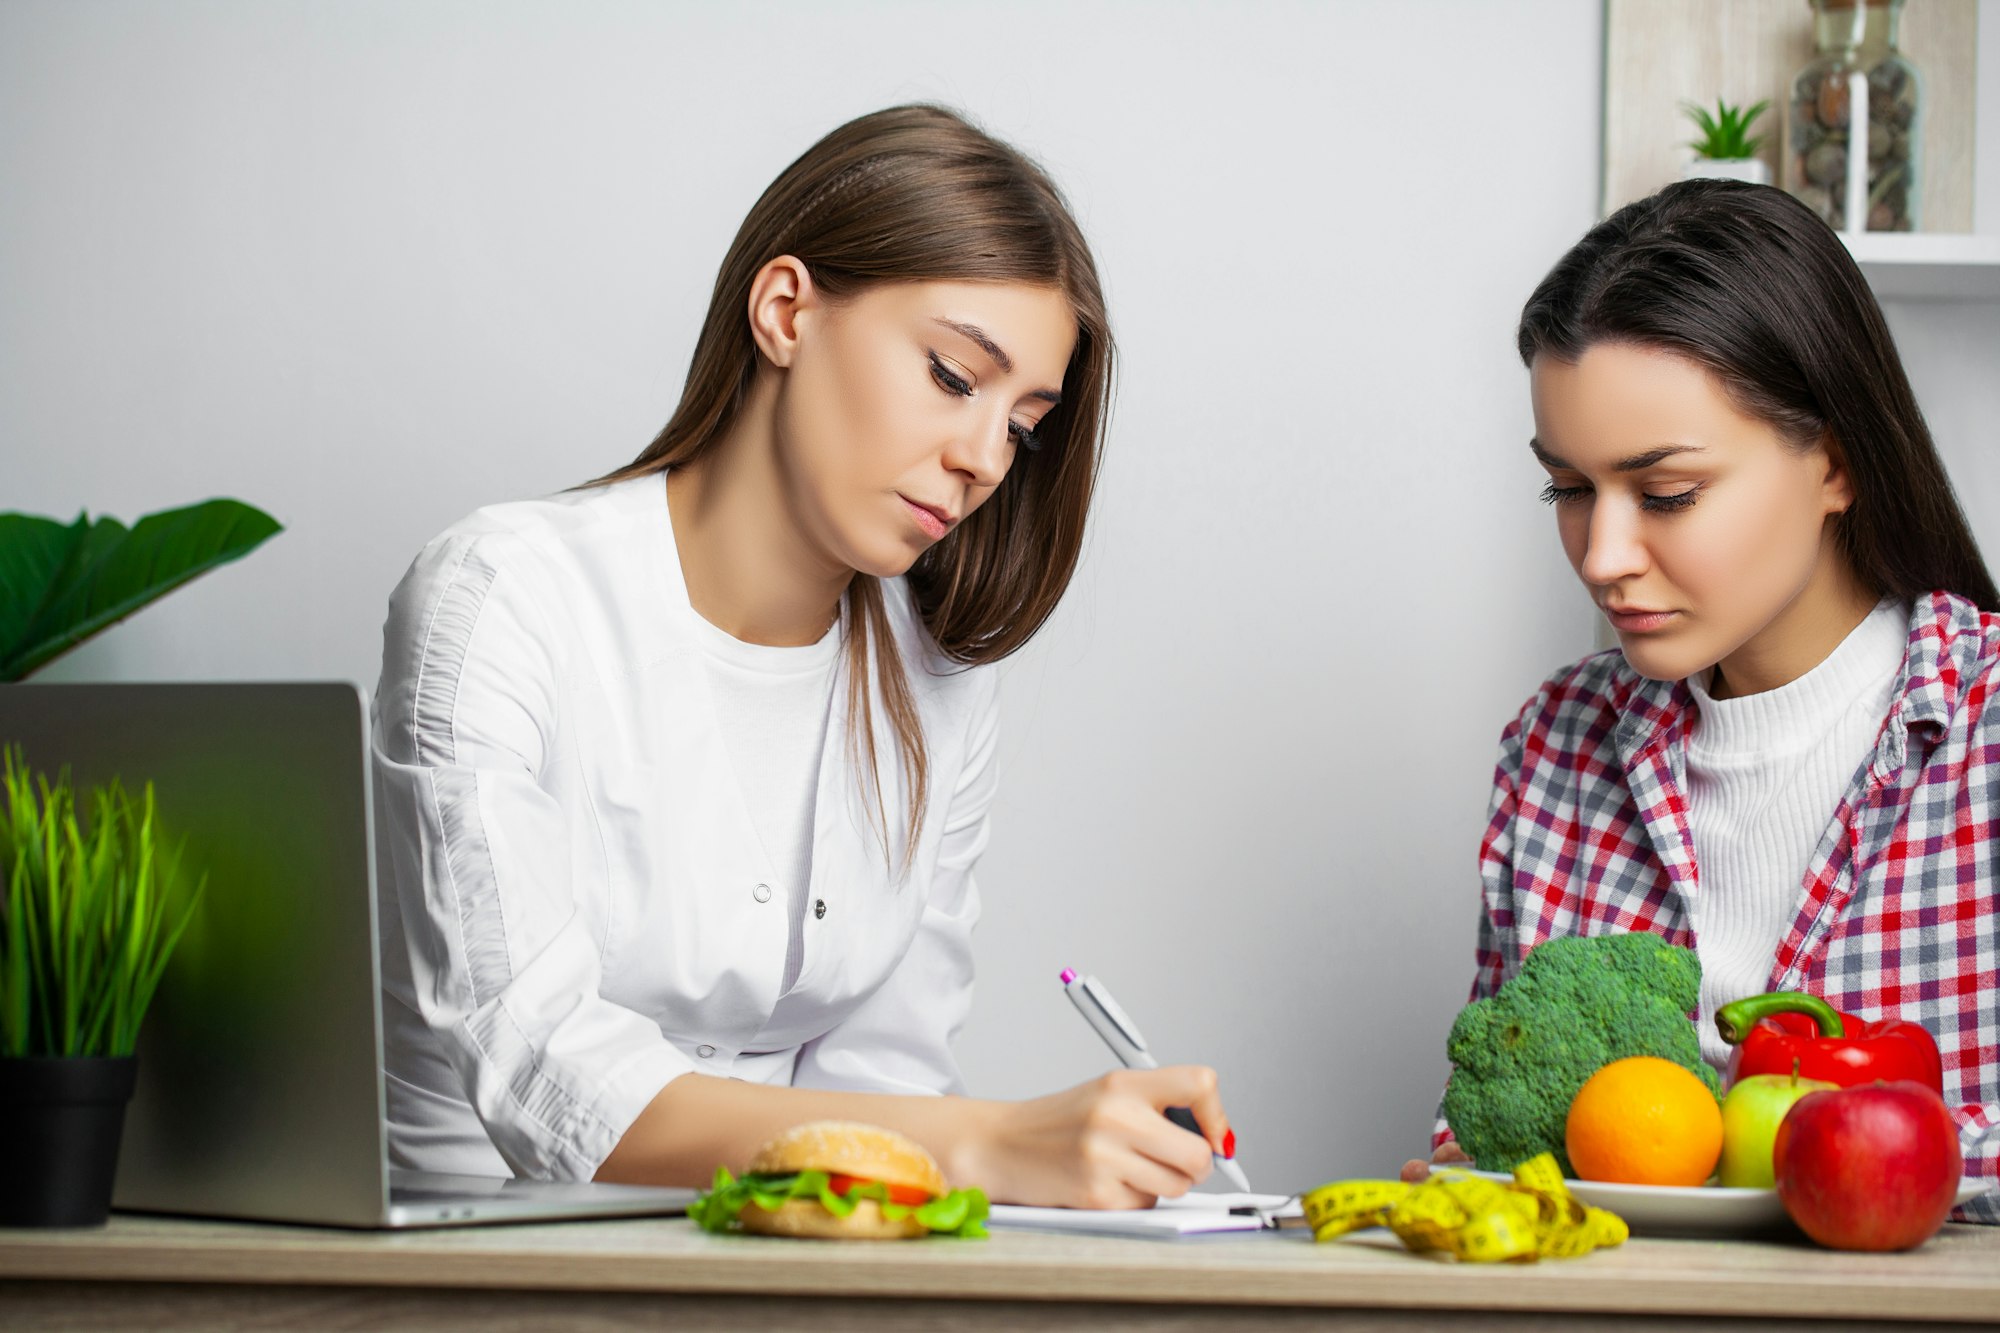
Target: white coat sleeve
899	1039
504	962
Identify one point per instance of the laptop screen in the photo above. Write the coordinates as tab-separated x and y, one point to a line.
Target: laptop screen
260	1092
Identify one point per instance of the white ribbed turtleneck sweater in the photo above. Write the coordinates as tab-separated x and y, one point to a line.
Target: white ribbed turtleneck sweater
1764	775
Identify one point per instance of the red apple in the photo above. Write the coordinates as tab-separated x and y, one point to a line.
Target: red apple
1873	1167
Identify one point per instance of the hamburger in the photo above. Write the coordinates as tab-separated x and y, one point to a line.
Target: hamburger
841	1181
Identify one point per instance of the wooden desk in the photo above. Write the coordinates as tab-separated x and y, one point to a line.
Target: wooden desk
171	1273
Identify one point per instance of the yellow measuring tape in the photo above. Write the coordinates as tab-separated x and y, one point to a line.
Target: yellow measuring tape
1486	1221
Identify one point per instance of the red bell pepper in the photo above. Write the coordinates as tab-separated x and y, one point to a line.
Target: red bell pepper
1787	1031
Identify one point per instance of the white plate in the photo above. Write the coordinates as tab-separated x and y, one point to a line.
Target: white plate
1699	1210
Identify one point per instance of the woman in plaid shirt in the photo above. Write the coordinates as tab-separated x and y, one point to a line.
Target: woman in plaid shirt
1789	763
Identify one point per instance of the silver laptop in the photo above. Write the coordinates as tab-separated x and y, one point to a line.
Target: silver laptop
260	1065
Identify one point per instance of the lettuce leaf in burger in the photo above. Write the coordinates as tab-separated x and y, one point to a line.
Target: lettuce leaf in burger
840	1180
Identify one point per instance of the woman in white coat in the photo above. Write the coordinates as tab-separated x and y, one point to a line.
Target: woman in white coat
684	773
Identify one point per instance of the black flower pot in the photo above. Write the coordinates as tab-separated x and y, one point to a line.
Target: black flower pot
60	1121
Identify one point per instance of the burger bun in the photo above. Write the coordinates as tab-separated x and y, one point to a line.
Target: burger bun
844	1148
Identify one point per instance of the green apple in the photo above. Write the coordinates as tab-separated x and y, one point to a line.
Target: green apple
1751	1114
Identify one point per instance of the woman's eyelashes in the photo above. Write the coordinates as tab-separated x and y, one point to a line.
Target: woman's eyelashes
957	385
1668	504
948	379
1654	504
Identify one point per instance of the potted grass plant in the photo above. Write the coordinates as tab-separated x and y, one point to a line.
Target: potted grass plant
1725	147
95	901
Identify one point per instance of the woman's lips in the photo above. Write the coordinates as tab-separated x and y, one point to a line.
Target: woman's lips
1639	622
929	520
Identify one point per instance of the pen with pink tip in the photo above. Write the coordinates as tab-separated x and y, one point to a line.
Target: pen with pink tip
1121	1034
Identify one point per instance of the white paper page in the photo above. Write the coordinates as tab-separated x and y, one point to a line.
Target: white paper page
1156	1222
1273	1205
1189	1215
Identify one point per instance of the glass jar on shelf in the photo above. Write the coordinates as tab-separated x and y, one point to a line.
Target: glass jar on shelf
1832	125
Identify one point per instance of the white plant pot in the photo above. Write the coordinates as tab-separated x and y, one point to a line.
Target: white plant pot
1752	169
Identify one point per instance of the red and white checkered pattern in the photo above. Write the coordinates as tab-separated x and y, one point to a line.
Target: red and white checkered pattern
1899	913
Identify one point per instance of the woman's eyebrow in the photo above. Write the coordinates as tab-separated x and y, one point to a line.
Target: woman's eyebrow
994	350
1636	463
980	336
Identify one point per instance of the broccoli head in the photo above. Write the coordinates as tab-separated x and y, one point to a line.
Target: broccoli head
1519	1058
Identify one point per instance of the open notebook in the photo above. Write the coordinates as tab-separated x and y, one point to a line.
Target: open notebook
1189	1215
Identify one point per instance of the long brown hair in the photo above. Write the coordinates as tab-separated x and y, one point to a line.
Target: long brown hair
1751	284
913	194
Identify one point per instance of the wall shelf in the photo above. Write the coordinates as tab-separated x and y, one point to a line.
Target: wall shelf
1928	266
1658	56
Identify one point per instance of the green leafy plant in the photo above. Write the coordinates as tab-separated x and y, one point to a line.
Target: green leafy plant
1725	136
93	910
61	583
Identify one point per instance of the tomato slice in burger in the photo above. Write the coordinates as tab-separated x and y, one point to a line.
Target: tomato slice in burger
909	1194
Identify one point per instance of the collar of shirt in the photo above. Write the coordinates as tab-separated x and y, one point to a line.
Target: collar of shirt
1945	641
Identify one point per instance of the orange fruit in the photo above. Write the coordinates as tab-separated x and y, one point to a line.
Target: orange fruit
1644	1121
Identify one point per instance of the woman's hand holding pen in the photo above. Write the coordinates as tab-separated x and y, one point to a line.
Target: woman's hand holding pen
1106	1143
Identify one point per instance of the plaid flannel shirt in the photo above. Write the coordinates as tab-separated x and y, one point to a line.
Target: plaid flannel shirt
1899	913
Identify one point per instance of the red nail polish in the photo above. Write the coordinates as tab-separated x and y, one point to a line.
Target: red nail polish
1229	1144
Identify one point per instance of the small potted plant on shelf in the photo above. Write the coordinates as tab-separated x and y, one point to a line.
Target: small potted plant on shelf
91	911
1725	147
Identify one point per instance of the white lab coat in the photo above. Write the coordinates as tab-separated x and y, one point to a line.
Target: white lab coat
576	908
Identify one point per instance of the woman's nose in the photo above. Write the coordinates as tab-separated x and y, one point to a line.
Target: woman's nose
982	452
1612	549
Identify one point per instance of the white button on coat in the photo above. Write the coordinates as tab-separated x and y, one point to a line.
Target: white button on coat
555	799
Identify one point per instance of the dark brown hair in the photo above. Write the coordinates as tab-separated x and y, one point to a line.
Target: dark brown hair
911	194
1749	283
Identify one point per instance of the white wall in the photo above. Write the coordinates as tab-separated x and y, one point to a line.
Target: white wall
372	264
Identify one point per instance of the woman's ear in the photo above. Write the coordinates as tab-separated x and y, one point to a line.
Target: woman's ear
1837	487
779	294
